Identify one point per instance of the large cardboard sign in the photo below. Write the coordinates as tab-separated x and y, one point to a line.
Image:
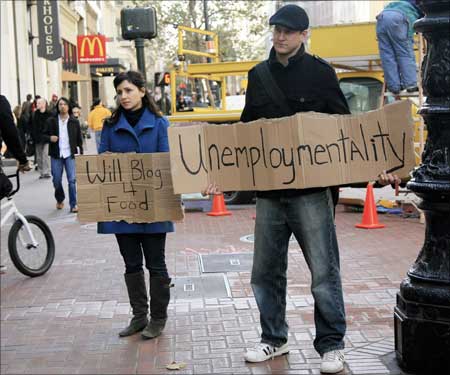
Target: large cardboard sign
133	187
304	150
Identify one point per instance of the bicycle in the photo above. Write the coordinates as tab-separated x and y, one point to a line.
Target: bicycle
31	244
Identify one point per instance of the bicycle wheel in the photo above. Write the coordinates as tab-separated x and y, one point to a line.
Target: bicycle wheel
29	259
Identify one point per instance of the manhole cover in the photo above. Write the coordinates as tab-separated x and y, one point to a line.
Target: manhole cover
211	286
250	238
230	262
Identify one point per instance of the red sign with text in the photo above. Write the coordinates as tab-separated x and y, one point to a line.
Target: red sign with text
91	49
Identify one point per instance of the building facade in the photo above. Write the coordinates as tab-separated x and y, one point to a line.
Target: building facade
24	72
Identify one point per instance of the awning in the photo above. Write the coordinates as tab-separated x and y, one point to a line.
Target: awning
71	76
112	67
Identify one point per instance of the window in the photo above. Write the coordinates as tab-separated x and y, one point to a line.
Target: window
362	94
70	57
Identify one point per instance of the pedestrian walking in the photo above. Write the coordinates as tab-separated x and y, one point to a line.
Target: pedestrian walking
26	108
395	36
96	117
292	81
64	134
34	103
138	126
52	105
76	113
20	124
41	141
167	103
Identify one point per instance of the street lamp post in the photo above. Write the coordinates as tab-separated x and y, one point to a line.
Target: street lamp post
139	24
140	57
422	314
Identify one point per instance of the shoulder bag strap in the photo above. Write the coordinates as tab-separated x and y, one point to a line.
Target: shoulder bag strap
271	87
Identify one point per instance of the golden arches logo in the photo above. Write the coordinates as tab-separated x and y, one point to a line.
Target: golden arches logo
91	45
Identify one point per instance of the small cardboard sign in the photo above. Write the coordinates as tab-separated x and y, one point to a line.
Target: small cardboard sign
304	150
133	187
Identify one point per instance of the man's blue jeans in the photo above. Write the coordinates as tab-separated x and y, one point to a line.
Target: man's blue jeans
58	165
310	218
396	50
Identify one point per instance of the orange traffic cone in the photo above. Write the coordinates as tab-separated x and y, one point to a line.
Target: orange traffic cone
370	216
218	206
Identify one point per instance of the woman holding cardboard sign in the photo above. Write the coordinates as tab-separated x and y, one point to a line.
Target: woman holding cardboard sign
137	126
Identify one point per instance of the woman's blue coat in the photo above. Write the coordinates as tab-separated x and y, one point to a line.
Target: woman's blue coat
149	135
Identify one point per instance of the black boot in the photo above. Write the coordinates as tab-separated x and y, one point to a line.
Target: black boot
159	300
137	292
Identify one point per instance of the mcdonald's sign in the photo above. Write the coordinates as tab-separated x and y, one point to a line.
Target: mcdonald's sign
91	49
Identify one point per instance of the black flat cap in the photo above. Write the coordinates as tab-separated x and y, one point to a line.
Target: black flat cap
291	16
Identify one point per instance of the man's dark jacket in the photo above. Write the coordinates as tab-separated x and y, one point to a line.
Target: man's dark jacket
309	84
74	131
38	127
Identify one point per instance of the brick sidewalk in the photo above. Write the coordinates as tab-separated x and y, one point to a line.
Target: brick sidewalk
67	320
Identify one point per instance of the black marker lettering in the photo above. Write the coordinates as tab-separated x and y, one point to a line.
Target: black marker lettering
317	150
200	165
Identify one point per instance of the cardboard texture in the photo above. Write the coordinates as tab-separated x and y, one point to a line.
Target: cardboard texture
305	150
133	187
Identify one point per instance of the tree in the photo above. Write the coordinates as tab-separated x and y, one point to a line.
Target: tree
241	27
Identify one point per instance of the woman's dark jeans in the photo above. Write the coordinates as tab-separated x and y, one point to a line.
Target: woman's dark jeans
134	247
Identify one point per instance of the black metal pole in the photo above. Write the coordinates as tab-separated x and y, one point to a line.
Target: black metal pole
139	44
422	314
31	38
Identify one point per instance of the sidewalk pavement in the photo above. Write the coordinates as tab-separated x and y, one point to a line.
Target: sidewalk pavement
66	322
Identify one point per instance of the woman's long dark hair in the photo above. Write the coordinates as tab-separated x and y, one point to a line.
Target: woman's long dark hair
137	79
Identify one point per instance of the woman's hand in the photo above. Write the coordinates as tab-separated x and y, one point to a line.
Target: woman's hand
53	138
212	189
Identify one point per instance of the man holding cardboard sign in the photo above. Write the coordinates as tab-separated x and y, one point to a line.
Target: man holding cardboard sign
304	83
307	142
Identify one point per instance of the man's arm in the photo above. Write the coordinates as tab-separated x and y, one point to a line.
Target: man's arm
79	136
46	130
9	131
248	113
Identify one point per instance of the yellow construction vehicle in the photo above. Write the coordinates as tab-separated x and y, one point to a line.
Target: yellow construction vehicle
352	49
206	85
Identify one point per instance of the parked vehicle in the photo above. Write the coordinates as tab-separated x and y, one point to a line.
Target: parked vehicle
352	49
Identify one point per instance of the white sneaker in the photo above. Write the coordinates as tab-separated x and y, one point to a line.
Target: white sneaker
332	362
262	352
